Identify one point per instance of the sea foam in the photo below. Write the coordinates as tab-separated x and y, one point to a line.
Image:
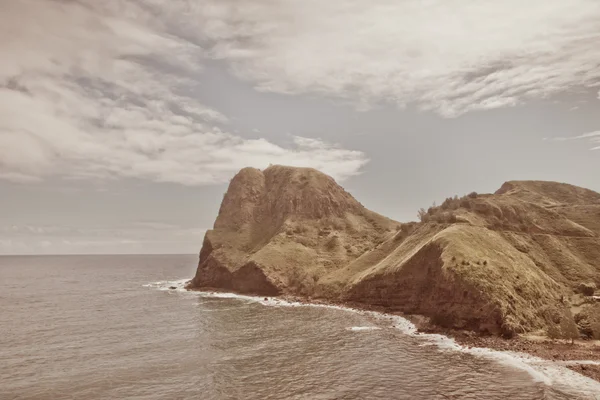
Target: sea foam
363	328
550	373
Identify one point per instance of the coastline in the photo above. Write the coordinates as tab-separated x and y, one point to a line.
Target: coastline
582	357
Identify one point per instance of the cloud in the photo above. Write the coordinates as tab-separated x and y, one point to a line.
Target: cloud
104	90
451	56
129	238
593	137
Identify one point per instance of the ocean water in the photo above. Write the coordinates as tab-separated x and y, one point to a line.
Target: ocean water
109	327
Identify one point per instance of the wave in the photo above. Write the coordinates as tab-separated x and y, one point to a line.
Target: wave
550	373
177	285
363	328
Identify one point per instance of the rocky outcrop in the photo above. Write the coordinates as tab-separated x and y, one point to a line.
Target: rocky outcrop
502	263
280	230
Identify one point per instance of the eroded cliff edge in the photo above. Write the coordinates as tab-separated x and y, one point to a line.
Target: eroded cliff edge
525	259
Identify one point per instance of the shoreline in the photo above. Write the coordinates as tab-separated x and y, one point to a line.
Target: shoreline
582	357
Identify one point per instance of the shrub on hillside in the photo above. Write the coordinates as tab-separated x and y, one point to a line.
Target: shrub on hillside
587	288
588	321
443	213
561	324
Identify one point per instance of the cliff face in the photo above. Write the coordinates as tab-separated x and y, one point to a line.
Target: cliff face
279	231
510	262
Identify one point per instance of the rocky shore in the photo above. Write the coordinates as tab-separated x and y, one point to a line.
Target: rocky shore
582	356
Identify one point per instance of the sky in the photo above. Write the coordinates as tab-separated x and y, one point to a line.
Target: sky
122	121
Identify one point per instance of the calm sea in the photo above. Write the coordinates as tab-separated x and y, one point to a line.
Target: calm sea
108	327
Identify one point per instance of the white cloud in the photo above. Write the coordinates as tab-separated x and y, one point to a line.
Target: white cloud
583	136
451	56
97	90
593	137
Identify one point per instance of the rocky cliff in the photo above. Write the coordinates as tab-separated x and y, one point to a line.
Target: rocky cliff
279	231
525	259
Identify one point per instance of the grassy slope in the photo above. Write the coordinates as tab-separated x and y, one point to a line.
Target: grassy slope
508	265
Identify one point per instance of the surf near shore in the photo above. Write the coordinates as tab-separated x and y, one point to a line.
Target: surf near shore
552	362
581	356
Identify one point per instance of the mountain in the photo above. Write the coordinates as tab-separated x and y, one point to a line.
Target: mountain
282	229
524	259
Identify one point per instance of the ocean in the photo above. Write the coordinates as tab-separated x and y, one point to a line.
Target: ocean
110	327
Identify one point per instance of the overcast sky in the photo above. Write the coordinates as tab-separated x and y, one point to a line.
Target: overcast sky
121	121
